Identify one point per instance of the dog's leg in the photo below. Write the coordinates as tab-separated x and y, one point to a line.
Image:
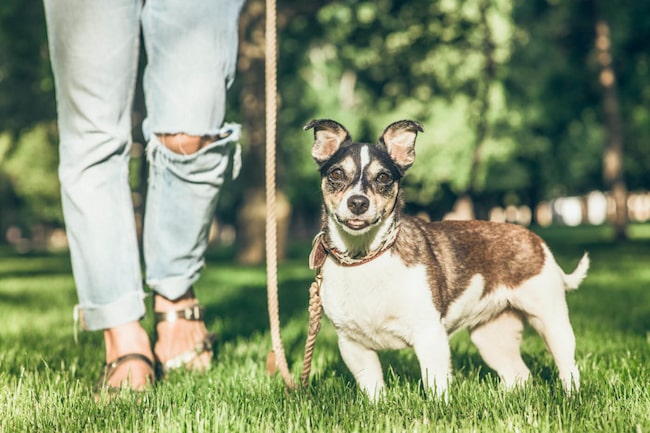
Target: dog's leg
364	365
555	328
434	355
544	303
498	341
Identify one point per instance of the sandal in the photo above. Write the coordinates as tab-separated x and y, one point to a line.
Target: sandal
186	359
111	367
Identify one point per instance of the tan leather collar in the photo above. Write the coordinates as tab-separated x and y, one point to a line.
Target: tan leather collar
321	248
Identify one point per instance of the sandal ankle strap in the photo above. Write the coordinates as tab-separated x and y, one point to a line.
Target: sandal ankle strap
193	312
112	365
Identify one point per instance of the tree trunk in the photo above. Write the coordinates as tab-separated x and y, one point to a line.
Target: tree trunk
251	218
613	154
464	206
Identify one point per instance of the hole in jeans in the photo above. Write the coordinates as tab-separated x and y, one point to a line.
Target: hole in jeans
185	144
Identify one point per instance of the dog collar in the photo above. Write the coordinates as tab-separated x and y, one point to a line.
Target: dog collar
321	249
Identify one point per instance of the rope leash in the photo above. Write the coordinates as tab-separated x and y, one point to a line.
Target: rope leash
315	314
277	357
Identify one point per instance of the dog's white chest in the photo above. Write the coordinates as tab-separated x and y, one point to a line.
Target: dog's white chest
381	304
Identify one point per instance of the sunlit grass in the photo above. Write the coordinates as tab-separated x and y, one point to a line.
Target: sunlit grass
46	380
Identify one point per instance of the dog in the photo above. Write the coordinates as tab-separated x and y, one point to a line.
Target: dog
392	281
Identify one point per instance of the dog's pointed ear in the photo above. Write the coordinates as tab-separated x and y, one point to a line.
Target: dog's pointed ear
329	135
399	140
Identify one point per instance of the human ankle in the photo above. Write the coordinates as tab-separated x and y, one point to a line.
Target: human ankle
162	303
127	338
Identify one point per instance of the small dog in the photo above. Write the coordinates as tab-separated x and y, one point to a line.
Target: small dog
391	281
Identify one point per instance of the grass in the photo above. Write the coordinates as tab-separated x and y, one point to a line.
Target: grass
46	380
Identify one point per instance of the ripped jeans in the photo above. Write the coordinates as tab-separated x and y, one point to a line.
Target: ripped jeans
191	56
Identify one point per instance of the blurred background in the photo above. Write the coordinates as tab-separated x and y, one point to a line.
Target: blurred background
535	112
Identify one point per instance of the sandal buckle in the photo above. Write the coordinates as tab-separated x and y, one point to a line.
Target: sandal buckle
168	316
193	313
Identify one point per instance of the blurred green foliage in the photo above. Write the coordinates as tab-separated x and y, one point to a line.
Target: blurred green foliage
507	91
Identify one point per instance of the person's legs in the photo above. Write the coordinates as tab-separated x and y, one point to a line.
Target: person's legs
191	50
94	51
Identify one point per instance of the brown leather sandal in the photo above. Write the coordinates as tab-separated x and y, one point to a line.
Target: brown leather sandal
185	359
111	367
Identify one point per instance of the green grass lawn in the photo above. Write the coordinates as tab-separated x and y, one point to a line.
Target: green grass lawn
46	380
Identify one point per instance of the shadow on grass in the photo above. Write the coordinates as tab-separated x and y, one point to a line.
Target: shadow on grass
614	286
14	265
613	298
241	309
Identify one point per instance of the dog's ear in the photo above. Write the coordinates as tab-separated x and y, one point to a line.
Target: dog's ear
399	140
329	135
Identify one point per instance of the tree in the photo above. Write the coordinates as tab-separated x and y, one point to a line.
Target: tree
371	63
576	110
29	193
509	93
251	214
613	154
26	84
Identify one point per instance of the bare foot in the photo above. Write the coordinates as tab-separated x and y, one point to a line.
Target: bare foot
133	373
179	342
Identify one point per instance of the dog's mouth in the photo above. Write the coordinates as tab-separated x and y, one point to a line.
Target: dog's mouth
356	224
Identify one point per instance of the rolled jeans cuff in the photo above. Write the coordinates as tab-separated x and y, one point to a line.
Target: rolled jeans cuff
128	308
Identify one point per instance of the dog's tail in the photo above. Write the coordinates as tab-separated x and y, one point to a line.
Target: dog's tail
573	280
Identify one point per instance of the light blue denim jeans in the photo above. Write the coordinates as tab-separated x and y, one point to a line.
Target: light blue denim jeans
191	56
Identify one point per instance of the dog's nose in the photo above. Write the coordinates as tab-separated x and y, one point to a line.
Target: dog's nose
358	204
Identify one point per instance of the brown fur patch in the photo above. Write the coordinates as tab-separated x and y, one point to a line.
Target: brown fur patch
454	251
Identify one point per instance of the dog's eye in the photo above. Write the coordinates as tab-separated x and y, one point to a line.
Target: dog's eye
336	175
383	178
